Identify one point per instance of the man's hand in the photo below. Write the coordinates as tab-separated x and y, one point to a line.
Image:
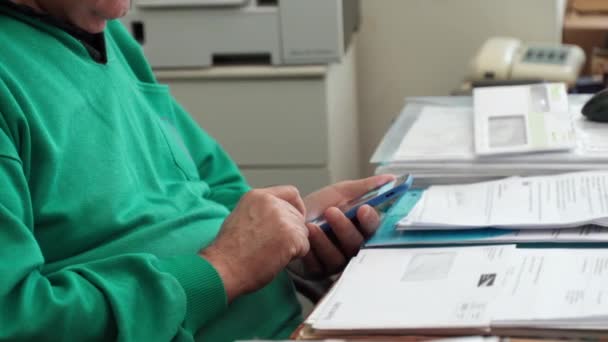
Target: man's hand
262	235
325	258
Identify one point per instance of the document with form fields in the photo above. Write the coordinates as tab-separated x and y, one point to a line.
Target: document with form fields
415	289
522	119
557	288
541	202
467	291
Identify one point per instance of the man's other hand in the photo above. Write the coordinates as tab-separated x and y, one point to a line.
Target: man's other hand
326	258
260	237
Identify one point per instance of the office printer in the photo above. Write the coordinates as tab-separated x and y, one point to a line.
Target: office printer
201	33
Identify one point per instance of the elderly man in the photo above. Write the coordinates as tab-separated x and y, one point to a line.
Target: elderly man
120	219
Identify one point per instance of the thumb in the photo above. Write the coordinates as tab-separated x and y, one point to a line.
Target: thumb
359	187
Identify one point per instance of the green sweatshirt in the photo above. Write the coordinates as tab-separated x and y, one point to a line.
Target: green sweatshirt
108	189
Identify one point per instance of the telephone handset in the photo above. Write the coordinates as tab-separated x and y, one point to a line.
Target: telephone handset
503	58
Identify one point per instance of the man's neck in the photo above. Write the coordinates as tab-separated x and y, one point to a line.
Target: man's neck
76	13
93	42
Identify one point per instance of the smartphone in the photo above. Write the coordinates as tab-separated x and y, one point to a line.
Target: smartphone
379	198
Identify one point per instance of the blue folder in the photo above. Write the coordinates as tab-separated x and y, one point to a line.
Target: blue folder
388	236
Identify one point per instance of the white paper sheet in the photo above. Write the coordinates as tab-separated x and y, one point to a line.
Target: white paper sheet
414	288
475	287
555	286
560	201
439	133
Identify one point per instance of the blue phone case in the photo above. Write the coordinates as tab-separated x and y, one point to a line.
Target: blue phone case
386	193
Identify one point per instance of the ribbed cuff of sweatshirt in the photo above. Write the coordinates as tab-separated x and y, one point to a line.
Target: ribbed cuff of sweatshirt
205	293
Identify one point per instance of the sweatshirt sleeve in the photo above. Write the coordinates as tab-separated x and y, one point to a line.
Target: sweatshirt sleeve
131	297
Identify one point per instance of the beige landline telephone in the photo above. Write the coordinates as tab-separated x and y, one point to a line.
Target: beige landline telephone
503	58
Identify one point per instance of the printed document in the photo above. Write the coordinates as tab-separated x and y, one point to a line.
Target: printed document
416	288
439	133
559	201
555	286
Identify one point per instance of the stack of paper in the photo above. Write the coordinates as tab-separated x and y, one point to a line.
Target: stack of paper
433	139
388	236
542	202
468	291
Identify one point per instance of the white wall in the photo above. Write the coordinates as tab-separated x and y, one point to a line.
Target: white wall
422	47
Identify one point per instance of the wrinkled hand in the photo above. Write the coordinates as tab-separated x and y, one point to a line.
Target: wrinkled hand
326	258
262	235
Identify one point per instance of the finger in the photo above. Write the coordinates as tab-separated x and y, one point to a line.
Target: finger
312	265
289	194
302	242
349	237
359	187
294	219
369	220
331	258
